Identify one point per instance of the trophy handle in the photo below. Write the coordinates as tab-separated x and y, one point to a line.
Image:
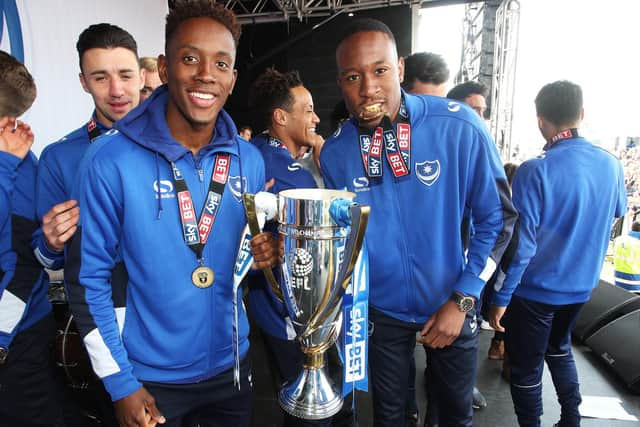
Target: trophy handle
360	218
254	227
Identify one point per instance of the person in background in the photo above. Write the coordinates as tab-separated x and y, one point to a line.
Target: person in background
496	349
28	389
110	74
626	256
425	73
473	94
563	205
246	132
151	79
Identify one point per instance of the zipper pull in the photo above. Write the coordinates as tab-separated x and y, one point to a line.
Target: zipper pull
201	175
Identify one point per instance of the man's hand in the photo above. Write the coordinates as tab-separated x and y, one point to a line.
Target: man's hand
15	137
138	410
269	184
266	251
60	223
317	147
443	327
495	317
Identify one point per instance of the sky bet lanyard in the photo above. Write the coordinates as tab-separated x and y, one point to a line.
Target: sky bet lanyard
196	233
565	134
395	143
93	130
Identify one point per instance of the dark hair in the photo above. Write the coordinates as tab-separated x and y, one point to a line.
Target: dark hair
426	67
365	25
510	170
105	36
559	102
17	88
184	10
245	127
463	90
635	226
271	90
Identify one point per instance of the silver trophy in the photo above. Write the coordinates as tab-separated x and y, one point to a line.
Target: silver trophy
322	232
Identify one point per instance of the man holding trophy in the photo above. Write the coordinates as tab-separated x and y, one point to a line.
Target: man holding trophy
284	109
418	162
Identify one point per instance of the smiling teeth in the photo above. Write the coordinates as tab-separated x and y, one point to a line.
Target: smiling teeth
202	95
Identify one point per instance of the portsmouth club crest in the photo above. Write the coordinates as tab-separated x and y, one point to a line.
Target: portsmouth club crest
428	171
237	185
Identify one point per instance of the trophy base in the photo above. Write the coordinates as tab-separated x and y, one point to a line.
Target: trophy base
311	396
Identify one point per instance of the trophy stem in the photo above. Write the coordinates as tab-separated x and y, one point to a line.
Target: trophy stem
312	396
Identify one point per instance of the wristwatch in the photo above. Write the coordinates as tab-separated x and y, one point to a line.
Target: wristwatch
3	355
465	303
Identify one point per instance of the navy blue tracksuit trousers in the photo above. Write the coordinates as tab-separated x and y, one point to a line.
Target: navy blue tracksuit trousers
391	348
535	333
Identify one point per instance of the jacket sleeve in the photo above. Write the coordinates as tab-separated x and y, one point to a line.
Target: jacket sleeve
49	192
492	212
527	197
11	306
621	207
91	257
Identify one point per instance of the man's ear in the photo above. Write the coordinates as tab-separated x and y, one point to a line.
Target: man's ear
162	69
279	117
401	69
143	75
83	82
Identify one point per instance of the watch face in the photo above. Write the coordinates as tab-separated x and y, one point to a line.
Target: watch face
466	304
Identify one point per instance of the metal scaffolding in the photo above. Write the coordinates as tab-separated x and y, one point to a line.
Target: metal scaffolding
265	11
504	76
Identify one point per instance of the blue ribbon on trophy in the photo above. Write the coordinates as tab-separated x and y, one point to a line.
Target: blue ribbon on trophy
354	339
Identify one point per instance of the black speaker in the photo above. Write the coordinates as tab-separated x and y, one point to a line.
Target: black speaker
607	303
617	344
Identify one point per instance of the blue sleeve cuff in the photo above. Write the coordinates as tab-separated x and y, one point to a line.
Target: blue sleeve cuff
52	260
121	385
469	284
501	299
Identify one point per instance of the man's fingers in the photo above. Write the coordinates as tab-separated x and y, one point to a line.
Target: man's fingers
154	413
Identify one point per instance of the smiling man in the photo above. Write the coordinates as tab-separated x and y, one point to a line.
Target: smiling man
109	72
418	162
160	193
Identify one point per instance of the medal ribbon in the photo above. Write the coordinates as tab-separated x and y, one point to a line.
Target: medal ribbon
565	134
395	143
196	233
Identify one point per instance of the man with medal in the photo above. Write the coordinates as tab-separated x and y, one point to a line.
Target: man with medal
567	199
162	192
110	73
418	161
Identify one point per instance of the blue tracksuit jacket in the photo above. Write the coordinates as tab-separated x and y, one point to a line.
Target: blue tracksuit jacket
57	168
23	283
567	199
163	328
288	173
416	258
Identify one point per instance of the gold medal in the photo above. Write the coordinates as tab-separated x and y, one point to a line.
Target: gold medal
202	277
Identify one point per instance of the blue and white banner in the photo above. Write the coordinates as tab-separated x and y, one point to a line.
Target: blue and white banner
354	340
242	267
